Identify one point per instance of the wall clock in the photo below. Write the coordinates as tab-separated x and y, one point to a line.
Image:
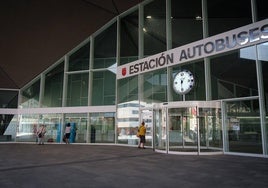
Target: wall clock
183	82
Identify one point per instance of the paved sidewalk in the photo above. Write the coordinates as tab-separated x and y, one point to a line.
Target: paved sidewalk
75	166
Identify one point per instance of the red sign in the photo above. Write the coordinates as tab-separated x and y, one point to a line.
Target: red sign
124	71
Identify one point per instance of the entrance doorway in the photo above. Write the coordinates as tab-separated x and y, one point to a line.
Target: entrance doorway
147	117
187	127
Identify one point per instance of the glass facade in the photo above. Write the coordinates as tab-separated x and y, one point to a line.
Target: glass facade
154	87
80	59
53	87
129	35
8	99
103	88
230	15
224	111
77	94
79	127
127	90
228	83
30	96
185	19
153	31
244	127
102	127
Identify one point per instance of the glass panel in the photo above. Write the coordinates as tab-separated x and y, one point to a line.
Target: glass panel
128	122
229	79
27	128
127	89
263	59
102	126
155	86
154	27
8	99
53	126
9	131
103	88
77	90
262	9
186	18
80	59
5	120
147	118
183	130
243	125
198	90
105	48
210	129
129	46
230	14
105	62
79	123
53	87
175	121
30	96
160	135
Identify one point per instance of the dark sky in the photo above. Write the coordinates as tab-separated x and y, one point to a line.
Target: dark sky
36	33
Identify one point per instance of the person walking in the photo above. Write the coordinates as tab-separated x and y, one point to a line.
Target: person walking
67	133
141	134
41	134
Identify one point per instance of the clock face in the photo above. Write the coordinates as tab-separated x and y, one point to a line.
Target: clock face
183	82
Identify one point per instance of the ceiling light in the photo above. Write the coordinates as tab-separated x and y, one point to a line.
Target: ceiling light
148	17
198	18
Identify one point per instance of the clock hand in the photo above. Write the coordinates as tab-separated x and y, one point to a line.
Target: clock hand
182	79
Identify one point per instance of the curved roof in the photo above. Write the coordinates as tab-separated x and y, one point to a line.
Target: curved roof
36	33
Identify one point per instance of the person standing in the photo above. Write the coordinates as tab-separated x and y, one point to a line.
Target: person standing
35	133
67	133
41	134
141	134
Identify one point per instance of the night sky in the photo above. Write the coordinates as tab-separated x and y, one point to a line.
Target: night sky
36	33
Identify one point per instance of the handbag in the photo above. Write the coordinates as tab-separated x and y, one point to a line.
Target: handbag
40	135
64	138
138	133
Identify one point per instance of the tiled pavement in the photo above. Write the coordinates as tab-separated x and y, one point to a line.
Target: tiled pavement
109	166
